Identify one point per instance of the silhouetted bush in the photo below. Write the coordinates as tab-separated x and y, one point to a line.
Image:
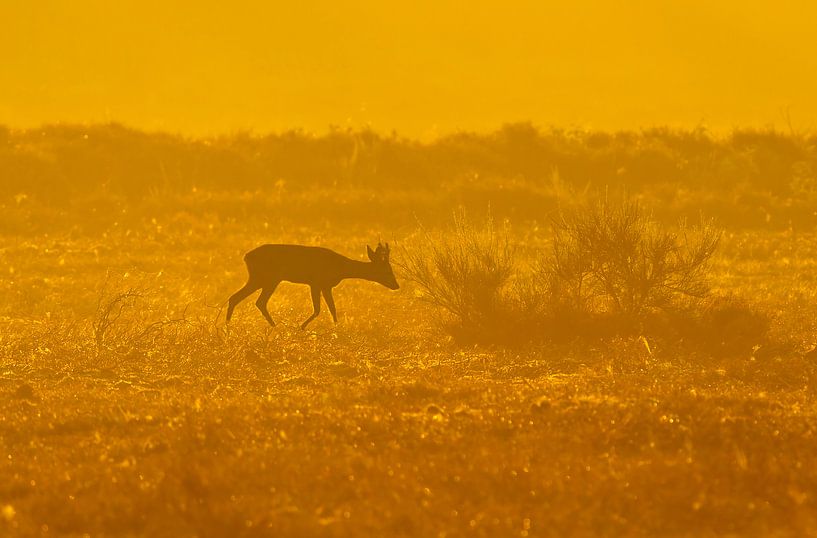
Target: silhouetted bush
613	257
610	270
464	270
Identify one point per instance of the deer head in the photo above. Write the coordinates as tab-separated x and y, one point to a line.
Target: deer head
382	267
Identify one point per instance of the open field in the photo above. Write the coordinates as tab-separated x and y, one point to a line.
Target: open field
154	420
382	425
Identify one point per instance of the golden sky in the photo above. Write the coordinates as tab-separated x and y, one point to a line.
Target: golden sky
420	67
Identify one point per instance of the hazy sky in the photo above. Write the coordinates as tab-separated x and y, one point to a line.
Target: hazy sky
204	66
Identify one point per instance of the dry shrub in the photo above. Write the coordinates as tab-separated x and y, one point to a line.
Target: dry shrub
611	273
464	270
129	314
613	257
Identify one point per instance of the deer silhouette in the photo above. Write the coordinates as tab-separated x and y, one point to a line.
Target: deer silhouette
320	268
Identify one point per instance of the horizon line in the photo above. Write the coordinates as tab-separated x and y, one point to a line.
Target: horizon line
254	132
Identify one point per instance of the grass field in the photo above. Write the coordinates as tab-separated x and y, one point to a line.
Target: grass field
156	421
128	409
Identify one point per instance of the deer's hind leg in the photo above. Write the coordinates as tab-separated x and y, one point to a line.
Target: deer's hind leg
249	288
316	306
263	299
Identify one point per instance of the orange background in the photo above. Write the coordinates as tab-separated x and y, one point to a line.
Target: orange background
422	68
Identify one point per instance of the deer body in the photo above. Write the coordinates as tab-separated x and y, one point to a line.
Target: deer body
320	268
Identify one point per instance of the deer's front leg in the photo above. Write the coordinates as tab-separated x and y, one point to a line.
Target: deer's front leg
316	306
330	302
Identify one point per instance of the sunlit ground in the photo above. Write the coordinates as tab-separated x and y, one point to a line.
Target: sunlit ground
128	409
166	424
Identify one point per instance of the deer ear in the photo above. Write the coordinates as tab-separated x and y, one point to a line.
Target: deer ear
370	252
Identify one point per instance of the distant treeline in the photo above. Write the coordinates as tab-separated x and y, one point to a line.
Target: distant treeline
764	171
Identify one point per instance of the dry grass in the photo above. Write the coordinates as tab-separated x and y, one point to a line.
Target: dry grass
127	409
167	425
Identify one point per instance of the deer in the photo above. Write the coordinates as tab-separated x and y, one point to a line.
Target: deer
320	268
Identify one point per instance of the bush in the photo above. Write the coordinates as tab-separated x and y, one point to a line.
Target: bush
613	257
465	270
609	270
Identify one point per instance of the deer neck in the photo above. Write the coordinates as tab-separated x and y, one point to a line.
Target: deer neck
358	269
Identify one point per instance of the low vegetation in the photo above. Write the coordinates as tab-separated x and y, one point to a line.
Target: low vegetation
757	179
464	270
613	257
569	391
607	266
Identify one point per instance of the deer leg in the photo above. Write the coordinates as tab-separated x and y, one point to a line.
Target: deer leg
263	299
330	302
316	305
248	289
